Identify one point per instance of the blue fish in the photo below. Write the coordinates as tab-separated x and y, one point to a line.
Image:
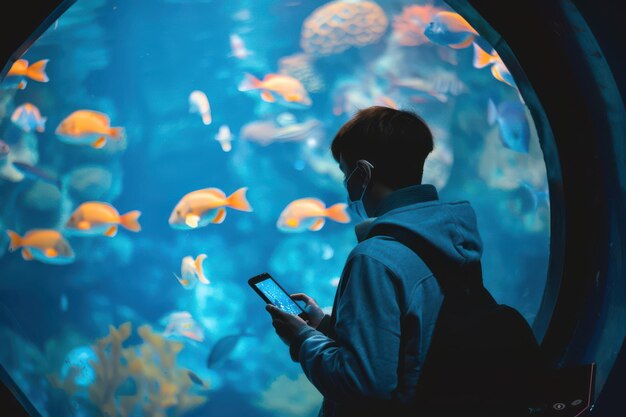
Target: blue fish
513	124
450	29
36	173
223	348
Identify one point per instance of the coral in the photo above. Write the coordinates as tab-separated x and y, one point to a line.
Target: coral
161	387
408	27
338	25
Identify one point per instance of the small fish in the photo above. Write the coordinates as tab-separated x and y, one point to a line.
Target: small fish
420	89
28	118
238	48
223	348
450	29
199	103
225	137
88	127
181	323
193	377
191	271
513	124
527	199
45	245
289	90
498	69
20	71
98	218
201	207
265	132
309	214
36	173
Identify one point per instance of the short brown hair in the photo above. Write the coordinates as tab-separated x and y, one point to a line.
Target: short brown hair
396	142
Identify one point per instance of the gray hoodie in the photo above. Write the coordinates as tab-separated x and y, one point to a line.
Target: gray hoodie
368	354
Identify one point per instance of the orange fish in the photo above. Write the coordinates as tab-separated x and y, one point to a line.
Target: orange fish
88	127
201	207
290	90
45	245
498	69
309	214
96	218
20	71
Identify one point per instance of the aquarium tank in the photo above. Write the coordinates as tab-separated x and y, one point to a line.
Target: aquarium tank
118	298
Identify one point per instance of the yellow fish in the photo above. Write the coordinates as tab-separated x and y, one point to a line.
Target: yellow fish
499	71
191	271
309	214
88	127
44	245
20	70
96	218
201	207
289	89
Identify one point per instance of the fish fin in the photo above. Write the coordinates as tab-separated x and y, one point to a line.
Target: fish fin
206	118
481	57
250	82
192	220
238	201
16	240
220	216
112	231
293	97
27	255
492	112
267	96
37	71
464	44
198	263
130	220
117	133
22	85
497	74
338	213
184	282
51	253
292	222
319	223
99	143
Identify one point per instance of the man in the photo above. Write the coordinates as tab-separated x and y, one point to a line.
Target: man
368	357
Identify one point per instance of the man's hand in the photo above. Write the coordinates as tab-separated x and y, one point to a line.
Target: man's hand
286	325
313	311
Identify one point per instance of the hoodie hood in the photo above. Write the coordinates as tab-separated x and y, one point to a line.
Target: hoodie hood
449	228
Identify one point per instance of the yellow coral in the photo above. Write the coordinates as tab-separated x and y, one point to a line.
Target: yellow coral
162	388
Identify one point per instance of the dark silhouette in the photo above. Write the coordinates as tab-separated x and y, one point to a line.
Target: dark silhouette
413	330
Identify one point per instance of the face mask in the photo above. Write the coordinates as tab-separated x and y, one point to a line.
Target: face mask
357	206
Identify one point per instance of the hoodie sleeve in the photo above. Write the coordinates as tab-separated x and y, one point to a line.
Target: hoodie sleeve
362	360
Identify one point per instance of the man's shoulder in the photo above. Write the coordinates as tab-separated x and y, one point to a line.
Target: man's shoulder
387	251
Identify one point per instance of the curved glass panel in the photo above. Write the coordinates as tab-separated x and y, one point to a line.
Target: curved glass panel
134	304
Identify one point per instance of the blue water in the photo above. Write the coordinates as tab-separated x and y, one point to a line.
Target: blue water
138	62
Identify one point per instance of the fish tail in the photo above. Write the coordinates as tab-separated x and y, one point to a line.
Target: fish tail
16	240
338	213
237	200
492	112
481	57
117	133
130	220
37	71
250	82
198	263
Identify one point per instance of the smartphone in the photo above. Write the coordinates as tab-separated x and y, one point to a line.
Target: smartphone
271	291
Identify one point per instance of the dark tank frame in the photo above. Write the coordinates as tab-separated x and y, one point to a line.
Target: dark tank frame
566	59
